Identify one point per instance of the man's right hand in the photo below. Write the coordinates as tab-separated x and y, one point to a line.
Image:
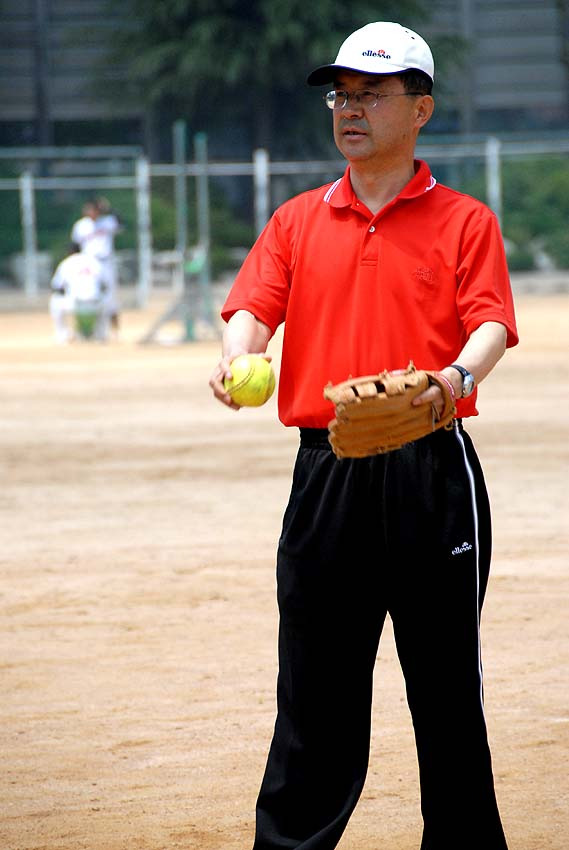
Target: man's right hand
222	371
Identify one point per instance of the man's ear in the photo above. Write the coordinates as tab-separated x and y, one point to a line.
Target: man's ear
424	107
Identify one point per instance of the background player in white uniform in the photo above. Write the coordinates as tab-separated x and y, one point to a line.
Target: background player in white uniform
78	278
94	234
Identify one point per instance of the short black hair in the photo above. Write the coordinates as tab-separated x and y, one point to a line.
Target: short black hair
415	80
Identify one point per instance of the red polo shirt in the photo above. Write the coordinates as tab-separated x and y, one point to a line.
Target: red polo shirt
361	292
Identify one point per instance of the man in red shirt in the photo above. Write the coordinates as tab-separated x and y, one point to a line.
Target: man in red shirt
381	267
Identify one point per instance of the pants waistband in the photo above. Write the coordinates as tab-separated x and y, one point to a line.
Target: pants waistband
314	437
319	436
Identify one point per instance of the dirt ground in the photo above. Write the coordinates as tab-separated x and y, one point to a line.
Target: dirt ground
138	523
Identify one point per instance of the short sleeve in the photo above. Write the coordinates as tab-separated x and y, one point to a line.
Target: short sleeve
484	289
262	285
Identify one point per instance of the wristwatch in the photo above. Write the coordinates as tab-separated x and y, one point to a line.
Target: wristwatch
468	381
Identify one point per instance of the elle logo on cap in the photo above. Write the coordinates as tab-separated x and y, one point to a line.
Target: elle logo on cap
381	54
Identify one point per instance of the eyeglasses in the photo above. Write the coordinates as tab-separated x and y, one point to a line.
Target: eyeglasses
369	99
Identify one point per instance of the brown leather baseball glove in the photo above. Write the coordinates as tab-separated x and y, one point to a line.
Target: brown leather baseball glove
374	413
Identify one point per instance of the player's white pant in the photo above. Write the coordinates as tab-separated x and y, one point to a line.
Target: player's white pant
60	307
111	298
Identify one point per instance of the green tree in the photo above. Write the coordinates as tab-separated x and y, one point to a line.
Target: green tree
535	208
242	63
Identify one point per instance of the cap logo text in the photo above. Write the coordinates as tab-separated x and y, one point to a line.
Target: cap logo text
381	54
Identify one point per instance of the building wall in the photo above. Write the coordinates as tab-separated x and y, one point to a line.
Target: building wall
70	40
512	76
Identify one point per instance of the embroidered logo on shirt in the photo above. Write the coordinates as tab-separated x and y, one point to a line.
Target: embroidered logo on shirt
424	273
460	550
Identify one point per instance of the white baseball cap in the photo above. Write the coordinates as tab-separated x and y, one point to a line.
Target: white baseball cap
379	48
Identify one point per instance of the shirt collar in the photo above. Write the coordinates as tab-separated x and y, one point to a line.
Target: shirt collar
341	193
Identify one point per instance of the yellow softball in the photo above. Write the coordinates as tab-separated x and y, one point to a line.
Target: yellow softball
252	382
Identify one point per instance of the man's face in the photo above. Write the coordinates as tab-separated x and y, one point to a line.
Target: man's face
380	132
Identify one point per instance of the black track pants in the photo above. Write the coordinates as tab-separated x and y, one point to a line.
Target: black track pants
406	533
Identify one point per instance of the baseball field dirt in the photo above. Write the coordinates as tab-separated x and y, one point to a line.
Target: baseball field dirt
139	521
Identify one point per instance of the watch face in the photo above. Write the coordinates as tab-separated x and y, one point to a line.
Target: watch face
468	385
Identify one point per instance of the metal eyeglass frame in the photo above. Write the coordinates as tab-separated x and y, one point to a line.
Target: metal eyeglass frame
331	97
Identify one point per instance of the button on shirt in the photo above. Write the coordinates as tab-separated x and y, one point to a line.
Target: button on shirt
362	292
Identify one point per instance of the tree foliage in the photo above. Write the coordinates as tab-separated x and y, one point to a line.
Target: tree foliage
244	62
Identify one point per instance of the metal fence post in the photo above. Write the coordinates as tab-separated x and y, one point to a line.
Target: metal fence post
29	236
144	232
494	175
262	189
181	198
204	226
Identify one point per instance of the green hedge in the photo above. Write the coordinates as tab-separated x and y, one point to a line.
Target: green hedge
535	212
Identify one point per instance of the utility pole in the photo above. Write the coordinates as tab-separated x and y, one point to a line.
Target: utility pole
44	134
563	9
467	107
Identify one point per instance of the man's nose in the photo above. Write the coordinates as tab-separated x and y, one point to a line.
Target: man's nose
352	106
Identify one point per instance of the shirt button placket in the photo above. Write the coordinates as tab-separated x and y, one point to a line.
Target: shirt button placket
370	246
